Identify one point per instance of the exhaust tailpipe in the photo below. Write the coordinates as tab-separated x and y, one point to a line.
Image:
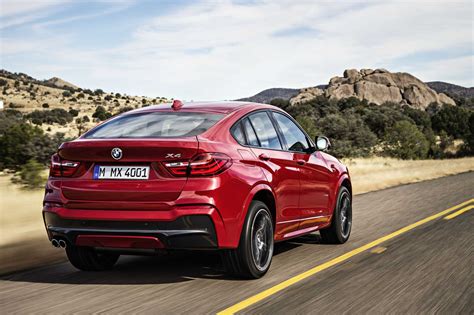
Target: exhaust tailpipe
62	243
55	243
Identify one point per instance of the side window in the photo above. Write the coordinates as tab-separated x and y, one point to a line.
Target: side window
294	137
251	137
266	133
238	134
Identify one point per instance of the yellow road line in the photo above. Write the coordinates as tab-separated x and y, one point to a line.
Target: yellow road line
285	284
455	214
378	250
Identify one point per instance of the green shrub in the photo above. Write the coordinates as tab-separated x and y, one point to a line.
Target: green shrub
3	82
405	141
56	115
67	94
74	112
452	119
45	105
30	175
101	114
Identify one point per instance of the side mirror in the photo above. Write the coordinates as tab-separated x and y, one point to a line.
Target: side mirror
322	143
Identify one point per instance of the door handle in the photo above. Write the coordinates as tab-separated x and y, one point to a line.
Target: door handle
301	162
264	157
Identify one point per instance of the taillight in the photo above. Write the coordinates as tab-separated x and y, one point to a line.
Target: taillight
62	168
205	164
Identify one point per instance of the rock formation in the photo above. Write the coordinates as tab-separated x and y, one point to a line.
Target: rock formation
377	86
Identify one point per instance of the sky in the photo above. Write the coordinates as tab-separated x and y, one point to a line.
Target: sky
221	50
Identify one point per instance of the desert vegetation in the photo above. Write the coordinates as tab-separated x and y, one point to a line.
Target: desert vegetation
361	129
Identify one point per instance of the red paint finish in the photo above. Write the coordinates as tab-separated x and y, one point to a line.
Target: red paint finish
303	185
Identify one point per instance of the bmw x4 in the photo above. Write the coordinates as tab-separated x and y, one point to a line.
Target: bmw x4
230	176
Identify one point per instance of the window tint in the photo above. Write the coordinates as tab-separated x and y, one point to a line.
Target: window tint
156	125
294	137
265	131
238	133
251	137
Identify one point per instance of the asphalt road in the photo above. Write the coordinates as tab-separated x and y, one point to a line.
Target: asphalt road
425	270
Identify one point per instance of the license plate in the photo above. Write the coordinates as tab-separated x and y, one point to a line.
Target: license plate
121	172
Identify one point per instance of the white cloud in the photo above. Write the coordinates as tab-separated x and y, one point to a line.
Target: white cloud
222	50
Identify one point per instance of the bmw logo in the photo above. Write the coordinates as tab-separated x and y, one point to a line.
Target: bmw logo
116	153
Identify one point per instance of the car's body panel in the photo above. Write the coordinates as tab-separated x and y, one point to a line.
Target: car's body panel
303	185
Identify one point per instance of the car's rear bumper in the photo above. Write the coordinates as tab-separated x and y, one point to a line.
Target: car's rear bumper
157	229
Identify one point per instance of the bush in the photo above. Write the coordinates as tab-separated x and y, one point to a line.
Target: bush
80	95
108	97
45	105
30	175
67	94
21	142
98	92
57	115
3	82
349	135
124	109
405	141
101	114
74	112
452	119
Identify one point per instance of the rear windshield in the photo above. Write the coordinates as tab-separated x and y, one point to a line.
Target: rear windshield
155	125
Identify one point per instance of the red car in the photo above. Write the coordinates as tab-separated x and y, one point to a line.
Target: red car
229	176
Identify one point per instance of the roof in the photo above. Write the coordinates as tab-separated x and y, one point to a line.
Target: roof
224	107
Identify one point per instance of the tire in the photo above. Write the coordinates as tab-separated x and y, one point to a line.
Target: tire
253	257
88	259
341	224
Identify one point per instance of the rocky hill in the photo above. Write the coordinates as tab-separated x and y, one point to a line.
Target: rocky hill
26	94
451	89
378	86
267	95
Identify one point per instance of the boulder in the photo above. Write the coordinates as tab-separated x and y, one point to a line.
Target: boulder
340	91
377	93
444	99
306	94
352	75
365	72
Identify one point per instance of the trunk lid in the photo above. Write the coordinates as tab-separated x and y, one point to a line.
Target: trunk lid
161	188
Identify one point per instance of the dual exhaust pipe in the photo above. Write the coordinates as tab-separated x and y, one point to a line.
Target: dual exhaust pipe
58	243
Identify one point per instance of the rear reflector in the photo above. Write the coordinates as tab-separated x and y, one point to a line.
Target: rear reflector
62	168
206	164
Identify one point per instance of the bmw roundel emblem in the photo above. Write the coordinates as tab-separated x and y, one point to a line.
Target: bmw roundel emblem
116	153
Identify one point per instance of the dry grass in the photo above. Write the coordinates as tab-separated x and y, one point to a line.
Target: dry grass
23	241
379	173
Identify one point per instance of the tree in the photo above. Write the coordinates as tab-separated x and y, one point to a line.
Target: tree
452	119
22	142
349	135
405	141
98	92
30	175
